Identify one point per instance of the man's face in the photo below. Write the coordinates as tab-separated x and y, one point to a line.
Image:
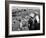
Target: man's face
32	15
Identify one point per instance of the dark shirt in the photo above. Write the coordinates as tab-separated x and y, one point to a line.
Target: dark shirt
34	26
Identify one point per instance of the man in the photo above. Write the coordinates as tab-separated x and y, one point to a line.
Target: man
34	22
31	21
37	23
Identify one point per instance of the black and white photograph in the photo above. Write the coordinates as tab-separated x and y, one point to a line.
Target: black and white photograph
25	19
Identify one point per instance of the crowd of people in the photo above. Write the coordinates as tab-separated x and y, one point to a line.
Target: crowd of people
29	22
